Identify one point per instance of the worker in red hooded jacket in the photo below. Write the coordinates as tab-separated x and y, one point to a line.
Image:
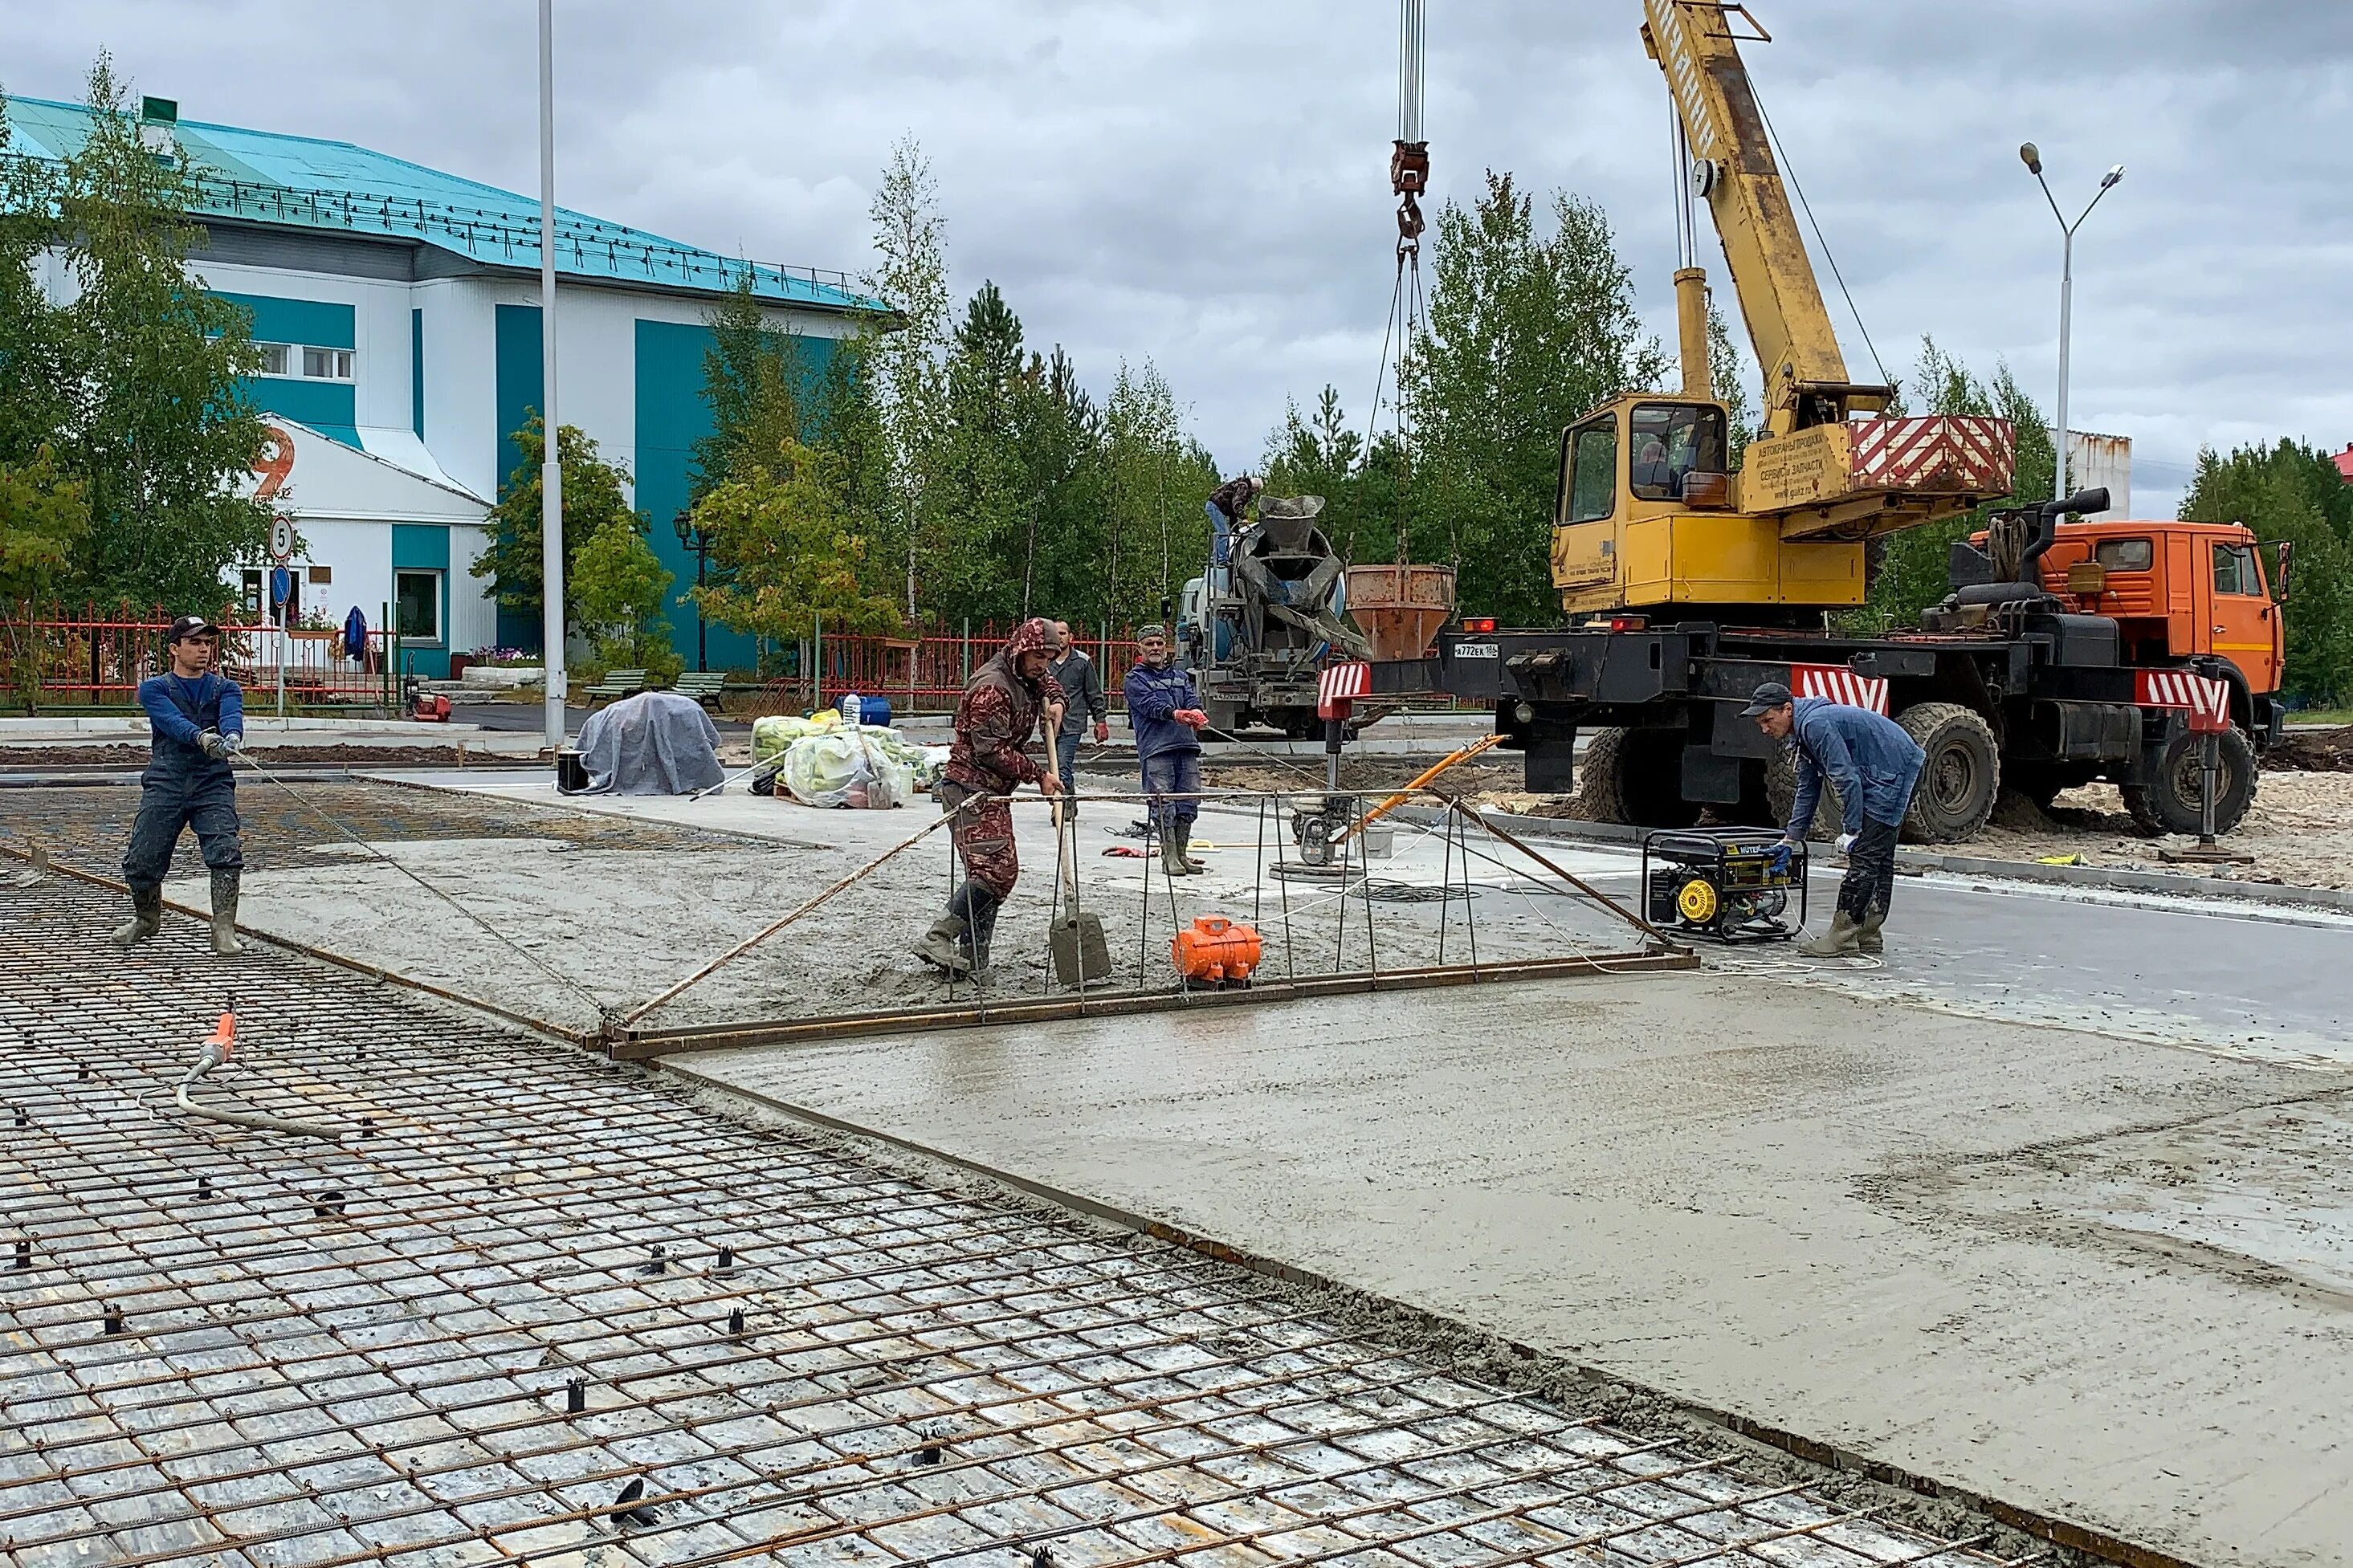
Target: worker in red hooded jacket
994	721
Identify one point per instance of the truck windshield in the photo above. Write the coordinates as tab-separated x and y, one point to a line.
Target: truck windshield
1670	441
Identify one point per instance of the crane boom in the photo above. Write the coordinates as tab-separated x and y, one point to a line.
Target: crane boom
1733	167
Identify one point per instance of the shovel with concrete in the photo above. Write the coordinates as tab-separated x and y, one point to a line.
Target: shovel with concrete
1075	938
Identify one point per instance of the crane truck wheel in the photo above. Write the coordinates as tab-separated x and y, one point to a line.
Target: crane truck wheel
1961	778
1781	795
2171	803
1635	776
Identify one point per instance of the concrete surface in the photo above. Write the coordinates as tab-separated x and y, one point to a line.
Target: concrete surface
2093	1275
2053	1203
604	927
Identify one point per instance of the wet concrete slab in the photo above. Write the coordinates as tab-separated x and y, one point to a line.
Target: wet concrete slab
2091	1274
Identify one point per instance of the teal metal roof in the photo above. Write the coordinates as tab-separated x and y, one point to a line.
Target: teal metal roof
301	182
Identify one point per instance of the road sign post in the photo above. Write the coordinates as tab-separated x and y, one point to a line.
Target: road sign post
282	589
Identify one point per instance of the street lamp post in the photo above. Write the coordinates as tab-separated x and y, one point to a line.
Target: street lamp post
697	540
551	530
2033	159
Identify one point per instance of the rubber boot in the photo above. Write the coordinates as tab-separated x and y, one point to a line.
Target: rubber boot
1843	937
984	927
1866	935
1185	850
146	917
1172	854
942	947
225	940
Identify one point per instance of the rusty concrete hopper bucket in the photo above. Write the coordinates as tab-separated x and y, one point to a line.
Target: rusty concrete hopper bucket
1401	607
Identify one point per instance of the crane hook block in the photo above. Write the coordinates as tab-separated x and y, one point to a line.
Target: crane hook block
1410	168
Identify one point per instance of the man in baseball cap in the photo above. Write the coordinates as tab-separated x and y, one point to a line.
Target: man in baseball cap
195	721
1874	765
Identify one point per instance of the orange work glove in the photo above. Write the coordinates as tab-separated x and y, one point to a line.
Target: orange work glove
1103	731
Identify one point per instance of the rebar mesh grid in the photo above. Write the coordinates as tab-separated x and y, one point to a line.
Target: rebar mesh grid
536	1309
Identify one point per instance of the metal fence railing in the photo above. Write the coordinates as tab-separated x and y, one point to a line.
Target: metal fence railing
927	674
53	660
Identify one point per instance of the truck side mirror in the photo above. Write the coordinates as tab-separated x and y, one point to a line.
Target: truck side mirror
2286	550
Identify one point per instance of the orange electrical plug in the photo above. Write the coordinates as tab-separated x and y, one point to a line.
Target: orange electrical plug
224	1036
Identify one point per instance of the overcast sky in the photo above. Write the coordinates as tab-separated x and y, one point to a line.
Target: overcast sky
1204	182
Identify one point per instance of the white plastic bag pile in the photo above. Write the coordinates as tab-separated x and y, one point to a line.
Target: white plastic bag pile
825	762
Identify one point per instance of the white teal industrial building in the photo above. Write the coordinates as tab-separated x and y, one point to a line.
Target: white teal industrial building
398	310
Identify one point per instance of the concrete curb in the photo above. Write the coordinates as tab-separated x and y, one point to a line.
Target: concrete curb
2114	878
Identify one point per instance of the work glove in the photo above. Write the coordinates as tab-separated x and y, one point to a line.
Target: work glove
1845	842
1103	731
1192	716
213	746
1782	853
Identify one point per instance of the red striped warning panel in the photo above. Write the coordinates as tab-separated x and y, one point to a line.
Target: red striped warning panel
1837	683
1942	454
1339	685
2206	701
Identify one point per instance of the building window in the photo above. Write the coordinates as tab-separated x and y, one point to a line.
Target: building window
418	605
327	364
276	358
258	610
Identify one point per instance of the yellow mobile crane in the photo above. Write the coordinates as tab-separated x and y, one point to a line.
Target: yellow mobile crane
2066	652
1647	514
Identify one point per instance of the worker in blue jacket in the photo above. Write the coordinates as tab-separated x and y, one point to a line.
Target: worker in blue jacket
1874	765
1164	712
196	719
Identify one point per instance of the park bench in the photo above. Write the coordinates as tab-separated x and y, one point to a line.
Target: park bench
704	685
617	683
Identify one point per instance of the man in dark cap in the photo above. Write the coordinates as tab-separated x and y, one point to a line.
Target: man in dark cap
196	719
1874	765
993	720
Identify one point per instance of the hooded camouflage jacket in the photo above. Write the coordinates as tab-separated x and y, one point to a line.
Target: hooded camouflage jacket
998	714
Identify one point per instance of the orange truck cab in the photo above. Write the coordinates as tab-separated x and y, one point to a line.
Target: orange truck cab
2177	591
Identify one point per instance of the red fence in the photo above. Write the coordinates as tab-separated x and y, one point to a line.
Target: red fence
926	675
53	660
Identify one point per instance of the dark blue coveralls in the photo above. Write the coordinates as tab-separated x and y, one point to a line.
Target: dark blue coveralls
182	786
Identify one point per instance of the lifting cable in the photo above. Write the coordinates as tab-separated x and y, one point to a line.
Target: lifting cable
1408	178
1792	174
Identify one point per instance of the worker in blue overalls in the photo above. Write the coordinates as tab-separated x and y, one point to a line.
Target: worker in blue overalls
197	721
1875	763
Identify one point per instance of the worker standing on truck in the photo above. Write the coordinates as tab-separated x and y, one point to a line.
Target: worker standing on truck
1167	715
1874	765
196	719
1227	505
993	720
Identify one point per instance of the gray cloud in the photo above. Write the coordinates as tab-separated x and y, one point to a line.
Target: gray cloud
1205	183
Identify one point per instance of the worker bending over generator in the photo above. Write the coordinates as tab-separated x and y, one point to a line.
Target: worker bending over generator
1874	765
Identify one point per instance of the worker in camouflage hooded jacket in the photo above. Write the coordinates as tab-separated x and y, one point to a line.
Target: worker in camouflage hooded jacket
993	722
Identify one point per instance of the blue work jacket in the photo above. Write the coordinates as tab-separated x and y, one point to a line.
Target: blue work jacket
1154	696
178	711
1870	759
